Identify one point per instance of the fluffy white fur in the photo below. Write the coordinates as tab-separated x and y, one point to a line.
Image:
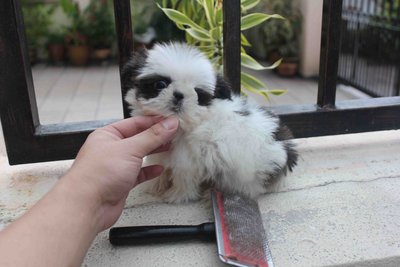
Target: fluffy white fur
216	144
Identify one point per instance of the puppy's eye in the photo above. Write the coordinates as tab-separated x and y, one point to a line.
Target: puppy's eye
161	84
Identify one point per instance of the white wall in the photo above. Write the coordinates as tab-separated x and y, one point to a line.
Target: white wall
310	38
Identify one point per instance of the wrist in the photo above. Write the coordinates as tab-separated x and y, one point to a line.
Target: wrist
84	199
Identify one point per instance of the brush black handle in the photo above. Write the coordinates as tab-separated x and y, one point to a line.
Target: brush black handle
140	235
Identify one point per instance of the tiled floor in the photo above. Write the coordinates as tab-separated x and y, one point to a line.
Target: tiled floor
66	94
71	94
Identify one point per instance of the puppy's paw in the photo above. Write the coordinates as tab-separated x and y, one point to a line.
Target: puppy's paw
158	186
177	195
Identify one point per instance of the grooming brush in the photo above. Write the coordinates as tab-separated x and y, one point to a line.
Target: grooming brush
238	229
241	238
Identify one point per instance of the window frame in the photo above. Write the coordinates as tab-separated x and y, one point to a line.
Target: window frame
28	141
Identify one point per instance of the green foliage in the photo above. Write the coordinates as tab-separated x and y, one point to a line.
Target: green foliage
391	9
143	13
37	19
56	37
77	32
278	36
101	25
202	22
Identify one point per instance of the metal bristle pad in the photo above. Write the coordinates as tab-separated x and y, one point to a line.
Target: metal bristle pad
240	231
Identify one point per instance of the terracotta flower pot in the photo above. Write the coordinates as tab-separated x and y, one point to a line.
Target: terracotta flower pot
101	53
78	54
56	52
288	67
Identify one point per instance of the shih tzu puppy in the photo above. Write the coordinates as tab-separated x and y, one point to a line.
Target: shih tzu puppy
223	140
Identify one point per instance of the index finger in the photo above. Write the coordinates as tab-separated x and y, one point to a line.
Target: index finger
152	138
131	126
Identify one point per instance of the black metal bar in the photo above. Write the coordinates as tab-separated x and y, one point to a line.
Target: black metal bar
18	109
123	23
375	61
231	36
63	141
355	51
396	91
52	142
351	116
330	46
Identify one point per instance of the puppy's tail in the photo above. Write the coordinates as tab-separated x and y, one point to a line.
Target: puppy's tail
292	155
284	134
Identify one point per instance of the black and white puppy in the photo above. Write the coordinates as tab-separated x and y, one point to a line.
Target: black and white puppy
222	141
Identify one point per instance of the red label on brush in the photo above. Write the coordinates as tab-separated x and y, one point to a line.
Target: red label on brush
225	234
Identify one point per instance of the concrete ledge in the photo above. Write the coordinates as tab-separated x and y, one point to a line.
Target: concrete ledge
341	207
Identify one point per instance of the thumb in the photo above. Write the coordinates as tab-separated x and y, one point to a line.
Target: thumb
157	135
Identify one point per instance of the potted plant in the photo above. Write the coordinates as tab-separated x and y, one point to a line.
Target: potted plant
278	38
101	28
55	46
76	38
37	21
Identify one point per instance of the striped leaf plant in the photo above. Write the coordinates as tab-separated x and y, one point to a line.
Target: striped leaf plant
202	22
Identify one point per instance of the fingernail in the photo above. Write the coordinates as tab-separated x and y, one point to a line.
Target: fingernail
170	123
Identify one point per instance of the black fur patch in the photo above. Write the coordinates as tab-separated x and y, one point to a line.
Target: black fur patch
269	177
282	133
204	97
147	88
131	69
222	89
268	112
292	155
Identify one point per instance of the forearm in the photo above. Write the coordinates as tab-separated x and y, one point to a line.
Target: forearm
57	231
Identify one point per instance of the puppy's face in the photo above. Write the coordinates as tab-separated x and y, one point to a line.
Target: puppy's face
170	79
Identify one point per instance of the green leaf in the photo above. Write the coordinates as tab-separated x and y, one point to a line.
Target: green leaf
249	4
164	3
208	6
244	40
249	62
277	92
69	7
199	35
251	82
264	94
219	17
180	18
216	33
254	91
254	19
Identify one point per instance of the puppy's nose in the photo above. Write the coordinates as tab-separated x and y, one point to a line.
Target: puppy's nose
178	96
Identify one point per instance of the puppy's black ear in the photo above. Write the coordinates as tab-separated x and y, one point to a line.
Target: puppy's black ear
131	69
222	89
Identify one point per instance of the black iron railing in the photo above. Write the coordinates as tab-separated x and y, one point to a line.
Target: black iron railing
27	140
370	48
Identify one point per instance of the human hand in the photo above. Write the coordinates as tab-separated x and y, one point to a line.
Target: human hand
109	163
